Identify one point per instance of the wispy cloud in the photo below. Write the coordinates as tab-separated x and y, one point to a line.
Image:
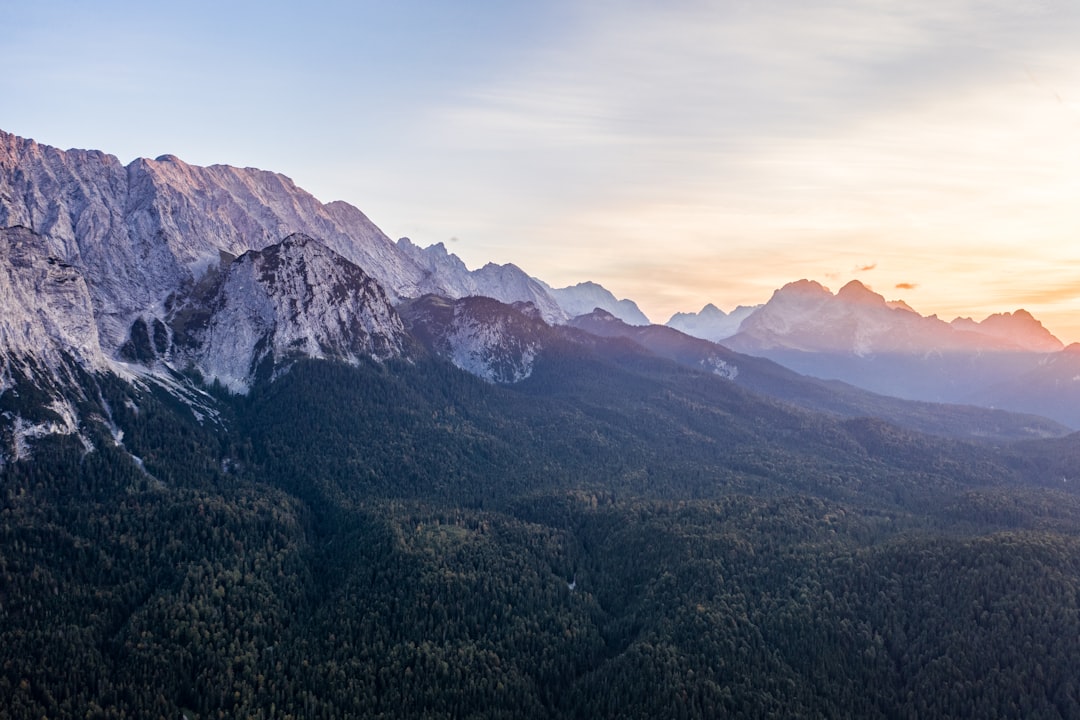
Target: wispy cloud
682	152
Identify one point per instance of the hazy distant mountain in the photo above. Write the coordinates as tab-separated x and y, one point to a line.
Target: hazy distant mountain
769	378
712	323
587	296
807	317
447	275
1018	327
857	337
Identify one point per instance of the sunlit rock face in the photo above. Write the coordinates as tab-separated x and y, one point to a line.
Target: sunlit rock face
142	232
269	307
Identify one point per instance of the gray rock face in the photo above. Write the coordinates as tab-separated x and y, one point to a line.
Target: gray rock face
270	307
47	336
448	276
492	340
583	298
134	264
140	233
47	312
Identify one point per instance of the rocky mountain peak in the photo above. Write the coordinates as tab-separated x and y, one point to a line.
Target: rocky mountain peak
586	296
804	287
712	323
487	338
291	300
1019	328
856	292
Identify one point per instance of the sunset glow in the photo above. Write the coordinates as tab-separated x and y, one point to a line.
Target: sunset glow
677	153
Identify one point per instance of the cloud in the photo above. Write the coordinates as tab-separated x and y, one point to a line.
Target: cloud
866	268
1054	294
906	286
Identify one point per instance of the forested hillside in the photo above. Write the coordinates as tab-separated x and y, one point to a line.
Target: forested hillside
616	536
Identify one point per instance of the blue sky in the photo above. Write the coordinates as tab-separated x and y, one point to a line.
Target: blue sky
677	152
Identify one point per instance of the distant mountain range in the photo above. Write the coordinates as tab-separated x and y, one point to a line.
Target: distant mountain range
171	274
1006	361
807	317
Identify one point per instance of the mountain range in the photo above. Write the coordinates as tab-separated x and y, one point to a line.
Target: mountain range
259	460
1007	361
159	267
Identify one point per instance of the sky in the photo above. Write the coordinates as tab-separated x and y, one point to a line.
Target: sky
678	152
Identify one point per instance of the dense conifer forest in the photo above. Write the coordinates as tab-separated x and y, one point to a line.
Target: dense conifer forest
618	537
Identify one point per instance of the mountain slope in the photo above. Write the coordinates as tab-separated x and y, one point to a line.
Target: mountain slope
295	299
482	336
615	535
585	297
448	276
711	323
141	232
773	380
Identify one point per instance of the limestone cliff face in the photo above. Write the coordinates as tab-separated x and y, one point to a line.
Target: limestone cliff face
269	307
140	233
47	312
492	340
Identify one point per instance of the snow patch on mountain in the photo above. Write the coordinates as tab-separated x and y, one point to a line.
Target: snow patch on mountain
718	366
65	422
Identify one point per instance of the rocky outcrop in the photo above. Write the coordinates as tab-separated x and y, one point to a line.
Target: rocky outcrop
487	338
